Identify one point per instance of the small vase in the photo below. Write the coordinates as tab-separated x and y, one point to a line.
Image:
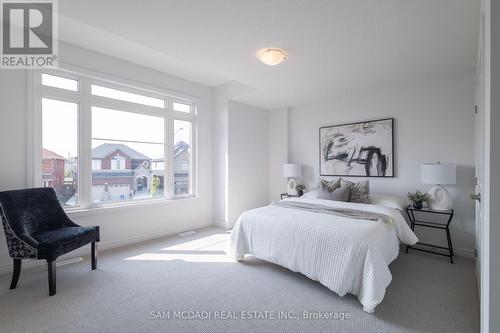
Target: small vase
417	205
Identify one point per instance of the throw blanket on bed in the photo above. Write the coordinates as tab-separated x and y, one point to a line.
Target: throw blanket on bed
351	213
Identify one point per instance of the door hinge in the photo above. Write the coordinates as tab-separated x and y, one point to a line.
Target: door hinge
475	109
475	253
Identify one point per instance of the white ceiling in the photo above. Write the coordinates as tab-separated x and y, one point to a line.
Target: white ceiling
334	46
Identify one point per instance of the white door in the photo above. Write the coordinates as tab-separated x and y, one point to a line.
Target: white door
479	153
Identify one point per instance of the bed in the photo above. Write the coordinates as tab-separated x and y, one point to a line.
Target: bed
345	246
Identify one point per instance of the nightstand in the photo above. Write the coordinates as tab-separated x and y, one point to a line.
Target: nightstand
286	195
415	216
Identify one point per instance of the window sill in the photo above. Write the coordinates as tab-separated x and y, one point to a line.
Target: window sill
116	207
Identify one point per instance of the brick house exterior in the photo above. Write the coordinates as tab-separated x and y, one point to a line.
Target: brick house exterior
122	173
119	172
52	170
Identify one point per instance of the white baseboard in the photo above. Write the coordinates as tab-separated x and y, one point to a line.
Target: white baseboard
102	246
223	225
467	253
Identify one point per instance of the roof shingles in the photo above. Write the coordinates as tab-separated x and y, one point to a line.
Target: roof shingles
50	155
106	149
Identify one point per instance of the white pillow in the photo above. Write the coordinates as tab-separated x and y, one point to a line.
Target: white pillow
313	194
388	201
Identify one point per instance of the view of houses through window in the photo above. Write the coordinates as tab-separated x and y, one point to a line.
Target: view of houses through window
59	149
124	153
182	156
128	153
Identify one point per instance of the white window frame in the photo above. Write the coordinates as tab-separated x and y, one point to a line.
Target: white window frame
85	102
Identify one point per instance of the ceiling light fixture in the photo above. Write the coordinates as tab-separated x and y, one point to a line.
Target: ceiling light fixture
272	57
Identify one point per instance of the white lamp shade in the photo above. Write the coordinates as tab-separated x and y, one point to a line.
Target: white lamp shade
437	173
292	170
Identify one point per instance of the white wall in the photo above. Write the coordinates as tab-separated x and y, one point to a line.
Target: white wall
118	226
433	122
248	159
221	97
278	151
220	153
12	133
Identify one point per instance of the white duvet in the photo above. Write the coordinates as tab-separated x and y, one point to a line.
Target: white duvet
346	255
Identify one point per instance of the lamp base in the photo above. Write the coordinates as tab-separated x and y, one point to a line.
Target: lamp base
291	187
439	198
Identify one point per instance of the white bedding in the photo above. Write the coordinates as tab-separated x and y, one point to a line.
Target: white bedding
346	255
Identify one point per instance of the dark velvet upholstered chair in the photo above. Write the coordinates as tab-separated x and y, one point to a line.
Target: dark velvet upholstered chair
36	227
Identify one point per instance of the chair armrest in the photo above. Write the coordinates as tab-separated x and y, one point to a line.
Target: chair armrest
69	223
66	221
27	238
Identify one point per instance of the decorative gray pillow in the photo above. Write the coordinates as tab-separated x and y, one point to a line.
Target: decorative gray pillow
331	185
359	191
340	194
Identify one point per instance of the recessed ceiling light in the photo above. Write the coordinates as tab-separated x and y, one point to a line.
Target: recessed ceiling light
272	57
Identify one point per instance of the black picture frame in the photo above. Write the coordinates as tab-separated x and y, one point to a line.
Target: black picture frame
358	175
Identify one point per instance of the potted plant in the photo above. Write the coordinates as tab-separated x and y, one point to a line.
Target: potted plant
300	189
417	199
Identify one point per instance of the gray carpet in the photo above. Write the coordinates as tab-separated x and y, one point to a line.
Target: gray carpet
191	273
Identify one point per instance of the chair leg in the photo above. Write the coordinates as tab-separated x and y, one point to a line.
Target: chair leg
52	277
16	273
93	255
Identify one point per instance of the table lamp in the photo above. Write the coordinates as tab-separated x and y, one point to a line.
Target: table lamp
292	171
439	175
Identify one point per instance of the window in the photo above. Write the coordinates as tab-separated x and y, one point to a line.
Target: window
130	141
182	157
118	162
59	149
59	82
181	107
126	132
96	164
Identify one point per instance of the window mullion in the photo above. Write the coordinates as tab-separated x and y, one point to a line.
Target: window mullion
85	145
60	94
109	103
193	171
183	116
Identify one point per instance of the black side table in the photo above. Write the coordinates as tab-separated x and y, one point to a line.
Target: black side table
427	211
286	195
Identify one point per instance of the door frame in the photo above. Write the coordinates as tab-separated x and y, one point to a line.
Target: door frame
479	147
484	56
